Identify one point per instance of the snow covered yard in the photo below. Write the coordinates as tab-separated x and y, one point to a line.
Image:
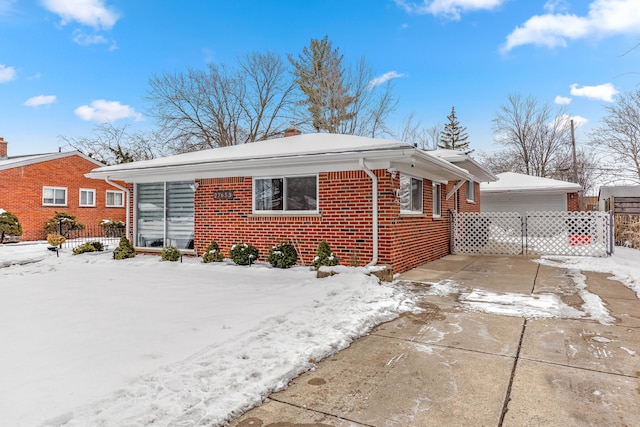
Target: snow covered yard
87	340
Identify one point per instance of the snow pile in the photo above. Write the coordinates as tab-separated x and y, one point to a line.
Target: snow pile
92	341
520	305
624	265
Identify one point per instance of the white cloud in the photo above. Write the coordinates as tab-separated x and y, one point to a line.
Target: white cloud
605	18
6	6
604	92
7	73
37	101
104	111
88	39
92	13
385	78
451	9
555	6
578	121
562	100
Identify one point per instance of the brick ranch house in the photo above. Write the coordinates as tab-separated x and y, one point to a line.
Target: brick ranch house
34	187
374	201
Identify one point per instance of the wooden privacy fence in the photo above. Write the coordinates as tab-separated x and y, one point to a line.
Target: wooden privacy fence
533	233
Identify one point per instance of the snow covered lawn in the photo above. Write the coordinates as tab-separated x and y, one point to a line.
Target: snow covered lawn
88	340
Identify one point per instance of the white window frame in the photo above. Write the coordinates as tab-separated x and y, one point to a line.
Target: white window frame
436	191
284	210
411	202
471	191
106	200
66	194
93	199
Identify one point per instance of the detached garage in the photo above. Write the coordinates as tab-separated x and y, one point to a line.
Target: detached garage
514	192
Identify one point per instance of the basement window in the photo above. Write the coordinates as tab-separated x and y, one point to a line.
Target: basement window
54	196
294	194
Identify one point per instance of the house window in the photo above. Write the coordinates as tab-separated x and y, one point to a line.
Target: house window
54	196
285	194
87	197
115	199
437	200
164	214
410	194
471	195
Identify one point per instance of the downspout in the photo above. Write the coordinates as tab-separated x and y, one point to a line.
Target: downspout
374	211
127	204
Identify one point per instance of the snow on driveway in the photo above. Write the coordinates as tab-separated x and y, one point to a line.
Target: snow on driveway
87	340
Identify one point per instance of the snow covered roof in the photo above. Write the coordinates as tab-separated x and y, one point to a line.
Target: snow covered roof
463	160
18	161
607	191
517	182
306	153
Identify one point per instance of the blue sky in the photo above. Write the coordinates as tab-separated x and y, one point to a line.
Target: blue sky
67	65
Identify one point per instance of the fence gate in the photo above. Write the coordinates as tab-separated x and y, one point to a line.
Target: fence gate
535	233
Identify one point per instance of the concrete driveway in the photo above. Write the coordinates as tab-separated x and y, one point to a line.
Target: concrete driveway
451	366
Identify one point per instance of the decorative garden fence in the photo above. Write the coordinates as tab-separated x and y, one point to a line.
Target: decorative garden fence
534	233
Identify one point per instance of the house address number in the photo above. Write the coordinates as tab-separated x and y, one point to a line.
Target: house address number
223	195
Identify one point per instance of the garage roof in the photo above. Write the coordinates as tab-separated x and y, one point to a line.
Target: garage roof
517	182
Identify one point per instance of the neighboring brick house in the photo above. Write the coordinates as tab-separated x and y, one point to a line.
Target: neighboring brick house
34	187
374	201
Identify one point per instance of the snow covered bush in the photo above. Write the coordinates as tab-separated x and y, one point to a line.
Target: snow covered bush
283	255
112	227
124	250
62	223
212	254
243	254
9	225
324	256
88	247
56	239
170	253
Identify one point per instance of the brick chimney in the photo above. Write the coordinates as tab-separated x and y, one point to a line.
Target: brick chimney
292	131
3	148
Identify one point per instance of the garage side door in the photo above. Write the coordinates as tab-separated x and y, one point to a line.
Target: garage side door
522	203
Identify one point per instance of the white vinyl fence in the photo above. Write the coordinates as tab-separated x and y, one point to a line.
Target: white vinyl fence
535	233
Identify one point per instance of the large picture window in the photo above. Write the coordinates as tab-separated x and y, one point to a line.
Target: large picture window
54	196
286	194
410	194
164	214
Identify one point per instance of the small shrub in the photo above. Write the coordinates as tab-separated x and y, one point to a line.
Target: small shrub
212	254
324	256
56	239
283	255
170	253
63	223
112	227
124	250
9	225
243	254
88	247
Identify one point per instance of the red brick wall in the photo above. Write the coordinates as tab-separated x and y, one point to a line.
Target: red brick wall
21	194
573	202
345	221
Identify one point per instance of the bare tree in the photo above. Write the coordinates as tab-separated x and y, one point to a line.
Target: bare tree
414	133
339	98
223	106
618	138
533	134
111	144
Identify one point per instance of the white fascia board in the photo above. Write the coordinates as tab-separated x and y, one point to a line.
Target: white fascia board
329	162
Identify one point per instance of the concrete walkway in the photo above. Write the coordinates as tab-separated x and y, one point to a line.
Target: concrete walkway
448	366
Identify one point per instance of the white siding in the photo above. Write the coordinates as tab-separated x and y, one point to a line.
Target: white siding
523	202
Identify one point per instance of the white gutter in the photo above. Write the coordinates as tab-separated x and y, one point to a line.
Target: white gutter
126	190
374	211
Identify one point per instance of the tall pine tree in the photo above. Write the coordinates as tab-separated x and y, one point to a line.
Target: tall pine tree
321	78
454	136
